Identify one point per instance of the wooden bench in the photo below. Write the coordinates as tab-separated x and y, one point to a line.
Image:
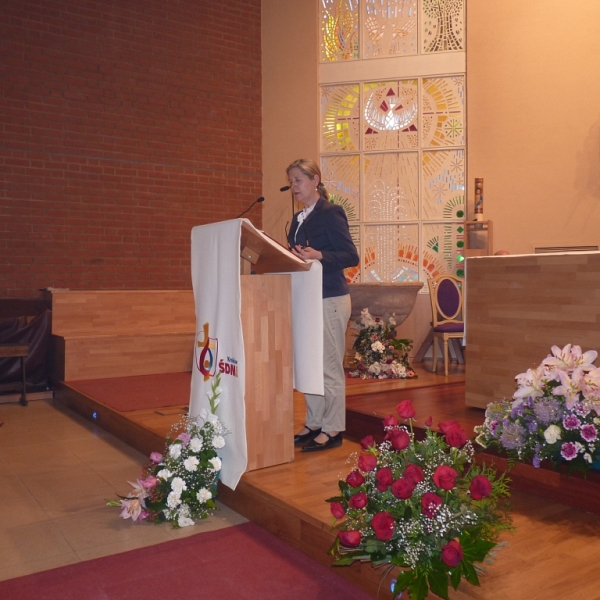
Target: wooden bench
118	333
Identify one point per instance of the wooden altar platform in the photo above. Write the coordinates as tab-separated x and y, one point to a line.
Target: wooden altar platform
554	547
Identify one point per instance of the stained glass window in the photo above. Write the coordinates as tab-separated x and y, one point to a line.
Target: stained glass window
442	25
390	114
339	30
393	149
391	184
443	111
340	118
390	28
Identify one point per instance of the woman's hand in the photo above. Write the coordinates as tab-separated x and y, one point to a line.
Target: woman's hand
307	253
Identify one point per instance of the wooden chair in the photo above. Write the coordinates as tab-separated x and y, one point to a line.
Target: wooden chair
446	294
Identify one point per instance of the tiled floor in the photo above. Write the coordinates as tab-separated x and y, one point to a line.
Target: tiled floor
56	473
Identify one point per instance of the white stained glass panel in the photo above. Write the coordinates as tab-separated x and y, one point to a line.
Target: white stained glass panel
442	105
443	185
391	183
341	176
390	112
353	273
391	253
389	28
339	30
442	25
443	249
340	118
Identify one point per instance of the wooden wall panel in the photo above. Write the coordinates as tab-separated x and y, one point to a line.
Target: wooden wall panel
267	327
517	308
122	312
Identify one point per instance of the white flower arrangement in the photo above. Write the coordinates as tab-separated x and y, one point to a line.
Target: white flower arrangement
379	355
180	485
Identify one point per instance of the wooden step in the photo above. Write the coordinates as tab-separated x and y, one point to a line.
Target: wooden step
76	358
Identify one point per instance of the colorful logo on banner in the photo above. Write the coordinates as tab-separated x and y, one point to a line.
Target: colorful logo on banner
207	356
206	353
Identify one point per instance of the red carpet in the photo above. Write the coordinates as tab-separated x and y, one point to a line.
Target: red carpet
241	562
138	392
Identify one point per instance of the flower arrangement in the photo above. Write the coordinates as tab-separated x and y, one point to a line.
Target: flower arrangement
420	505
181	484
379	355
554	414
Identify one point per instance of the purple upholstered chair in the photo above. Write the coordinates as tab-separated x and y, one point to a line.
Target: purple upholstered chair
446	296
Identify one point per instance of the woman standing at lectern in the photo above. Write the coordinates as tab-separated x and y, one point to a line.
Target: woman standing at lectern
320	231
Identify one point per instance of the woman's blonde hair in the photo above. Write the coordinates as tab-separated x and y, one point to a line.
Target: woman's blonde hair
310	169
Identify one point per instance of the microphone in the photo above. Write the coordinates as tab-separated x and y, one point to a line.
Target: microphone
261	199
285	188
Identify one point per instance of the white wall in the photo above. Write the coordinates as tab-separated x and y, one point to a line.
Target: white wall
533	101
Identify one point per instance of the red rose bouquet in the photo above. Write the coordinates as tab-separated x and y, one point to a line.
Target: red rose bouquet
423	506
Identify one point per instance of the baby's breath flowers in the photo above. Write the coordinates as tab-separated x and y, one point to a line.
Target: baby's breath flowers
420	505
180	485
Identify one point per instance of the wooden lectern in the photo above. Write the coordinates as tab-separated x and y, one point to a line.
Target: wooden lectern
267	329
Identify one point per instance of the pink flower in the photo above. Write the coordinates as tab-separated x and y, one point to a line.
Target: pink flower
184	437
337	509
384	479
403	488
149	482
367	442
350	539
430	503
400	439
358	501
390	421
446	426
156	457
568	451
455	434
406	409
452	553
571	422
367	462
589	433
413	473
383	525
480	487
444	477
355	479
132	508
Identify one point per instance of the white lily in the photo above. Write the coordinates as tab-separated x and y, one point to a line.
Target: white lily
531	384
590	387
571	357
138	491
570	386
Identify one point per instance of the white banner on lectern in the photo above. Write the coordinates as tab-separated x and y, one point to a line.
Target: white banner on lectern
219	343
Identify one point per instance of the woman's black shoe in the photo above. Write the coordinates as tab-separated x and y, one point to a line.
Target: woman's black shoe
300	439
332	442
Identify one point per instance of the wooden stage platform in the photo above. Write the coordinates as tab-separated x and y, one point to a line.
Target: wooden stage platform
552	553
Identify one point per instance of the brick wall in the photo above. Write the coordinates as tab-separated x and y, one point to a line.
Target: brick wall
123	124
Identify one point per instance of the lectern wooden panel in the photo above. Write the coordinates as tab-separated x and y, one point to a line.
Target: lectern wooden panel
517	308
267	326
